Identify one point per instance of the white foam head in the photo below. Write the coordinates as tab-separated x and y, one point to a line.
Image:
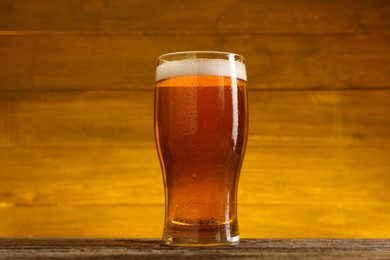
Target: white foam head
198	66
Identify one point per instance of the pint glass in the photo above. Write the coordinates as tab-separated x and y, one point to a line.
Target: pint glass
201	125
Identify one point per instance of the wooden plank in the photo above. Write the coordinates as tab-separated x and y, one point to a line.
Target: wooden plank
378	244
76	118
152	249
79	176
238	17
341	220
82	221
118	176
316	118
123	118
118	61
315	175
140	221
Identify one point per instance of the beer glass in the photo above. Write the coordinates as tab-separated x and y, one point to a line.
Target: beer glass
201	125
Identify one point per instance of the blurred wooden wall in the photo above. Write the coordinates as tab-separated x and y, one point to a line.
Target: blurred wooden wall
77	153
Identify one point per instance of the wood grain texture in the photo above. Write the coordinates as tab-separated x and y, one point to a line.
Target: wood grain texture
77	118
264	220
85	118
232	17
128	62
151	248
77	154
47	177
309	154
329	137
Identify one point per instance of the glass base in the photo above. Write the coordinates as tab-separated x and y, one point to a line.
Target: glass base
198	241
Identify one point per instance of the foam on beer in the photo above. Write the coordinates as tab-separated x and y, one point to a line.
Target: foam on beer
192	67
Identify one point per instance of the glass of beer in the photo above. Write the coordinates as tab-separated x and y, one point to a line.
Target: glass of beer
201	126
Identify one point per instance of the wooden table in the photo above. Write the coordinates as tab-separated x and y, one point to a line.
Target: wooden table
151	248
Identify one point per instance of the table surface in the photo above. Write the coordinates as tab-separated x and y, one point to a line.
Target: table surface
151	248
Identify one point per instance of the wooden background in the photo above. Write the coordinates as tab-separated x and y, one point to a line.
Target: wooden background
77	153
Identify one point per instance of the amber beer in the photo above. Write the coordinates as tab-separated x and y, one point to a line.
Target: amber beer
201	124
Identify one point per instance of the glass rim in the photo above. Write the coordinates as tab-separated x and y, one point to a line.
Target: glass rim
237	57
